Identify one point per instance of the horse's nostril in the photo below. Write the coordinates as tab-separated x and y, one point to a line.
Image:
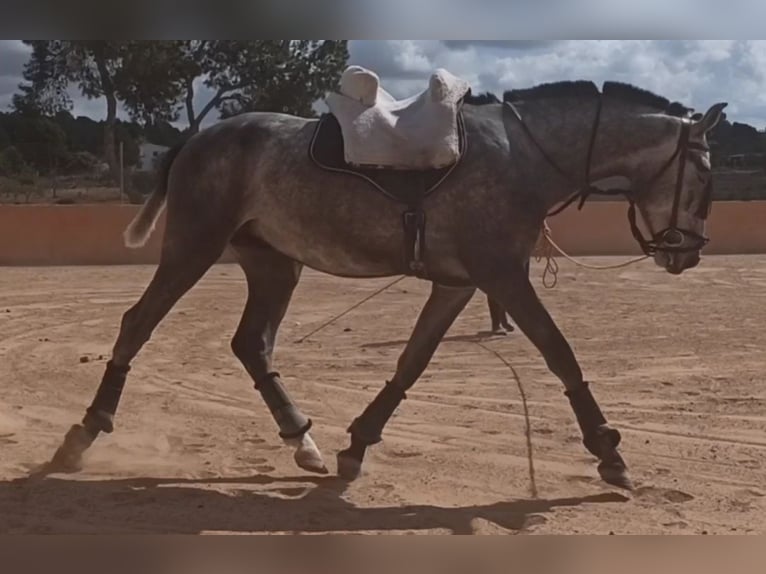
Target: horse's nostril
673	238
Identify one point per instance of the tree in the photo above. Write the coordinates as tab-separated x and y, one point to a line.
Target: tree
5	138
11	162
276	75
301	72
39	141
162	133
109	69
48	80
156	80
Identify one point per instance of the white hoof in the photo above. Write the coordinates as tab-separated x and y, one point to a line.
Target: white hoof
307	455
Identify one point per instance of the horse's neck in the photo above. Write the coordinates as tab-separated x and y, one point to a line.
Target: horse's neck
628	143
632	143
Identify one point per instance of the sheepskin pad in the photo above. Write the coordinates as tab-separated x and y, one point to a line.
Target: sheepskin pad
417	133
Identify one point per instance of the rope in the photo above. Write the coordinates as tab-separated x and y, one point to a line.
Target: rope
527	424
552	268
522	393
347	311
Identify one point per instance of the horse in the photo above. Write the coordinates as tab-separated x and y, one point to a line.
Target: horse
249	183
500	325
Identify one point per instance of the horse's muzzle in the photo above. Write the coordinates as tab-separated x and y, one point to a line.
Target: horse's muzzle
678	262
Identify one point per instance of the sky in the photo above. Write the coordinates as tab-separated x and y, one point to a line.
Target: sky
698	73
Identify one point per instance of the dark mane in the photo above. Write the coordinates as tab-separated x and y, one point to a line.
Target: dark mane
565	89
638	96
480	99
582	88
681	111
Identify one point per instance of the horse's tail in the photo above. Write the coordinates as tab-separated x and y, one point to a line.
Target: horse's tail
139	230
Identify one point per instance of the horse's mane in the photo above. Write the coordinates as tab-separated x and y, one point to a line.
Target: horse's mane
480	99
585	89
566	89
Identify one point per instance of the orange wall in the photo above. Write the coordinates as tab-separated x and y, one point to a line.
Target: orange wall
72	235
602	228
92	234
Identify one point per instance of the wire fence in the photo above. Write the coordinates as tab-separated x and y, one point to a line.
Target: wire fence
75	178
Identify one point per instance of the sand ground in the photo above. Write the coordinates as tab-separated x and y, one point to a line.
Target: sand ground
676	362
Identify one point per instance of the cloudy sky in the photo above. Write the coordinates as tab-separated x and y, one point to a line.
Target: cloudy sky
696	72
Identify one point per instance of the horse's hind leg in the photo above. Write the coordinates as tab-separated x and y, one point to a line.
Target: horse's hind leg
271	279
438	314
498	318
514	291
184	261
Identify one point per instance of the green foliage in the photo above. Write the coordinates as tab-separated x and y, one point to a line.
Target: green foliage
735	138
146	86
67	145
126	70
48	78
291	76
40	141
80	162
113	70
11	162
5	138
129	135
162	133
276	75
155	80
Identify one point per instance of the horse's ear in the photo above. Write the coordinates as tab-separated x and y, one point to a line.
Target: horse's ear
710	119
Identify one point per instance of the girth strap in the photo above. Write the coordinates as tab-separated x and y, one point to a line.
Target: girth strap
414	222
326	151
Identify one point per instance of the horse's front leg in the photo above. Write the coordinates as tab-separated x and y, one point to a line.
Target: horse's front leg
513	290
271	280
438	314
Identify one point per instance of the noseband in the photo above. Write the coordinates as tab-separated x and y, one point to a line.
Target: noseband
673	238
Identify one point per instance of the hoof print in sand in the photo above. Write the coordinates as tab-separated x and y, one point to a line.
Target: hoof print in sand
656	494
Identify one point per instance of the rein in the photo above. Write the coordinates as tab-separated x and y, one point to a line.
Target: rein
669	240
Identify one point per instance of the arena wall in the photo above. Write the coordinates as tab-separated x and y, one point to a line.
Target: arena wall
92	234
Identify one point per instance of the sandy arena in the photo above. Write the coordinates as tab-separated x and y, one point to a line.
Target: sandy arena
677	362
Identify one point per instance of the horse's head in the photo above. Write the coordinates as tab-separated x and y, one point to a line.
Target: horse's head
676	200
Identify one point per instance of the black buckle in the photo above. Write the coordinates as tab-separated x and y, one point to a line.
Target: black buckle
414	219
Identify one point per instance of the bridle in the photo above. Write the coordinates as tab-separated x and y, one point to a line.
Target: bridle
672	239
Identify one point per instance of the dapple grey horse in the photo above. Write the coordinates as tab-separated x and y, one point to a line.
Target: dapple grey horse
248	182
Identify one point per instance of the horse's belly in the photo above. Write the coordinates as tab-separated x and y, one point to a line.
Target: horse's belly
357	251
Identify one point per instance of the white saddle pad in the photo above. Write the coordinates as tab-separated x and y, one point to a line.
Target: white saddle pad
417	133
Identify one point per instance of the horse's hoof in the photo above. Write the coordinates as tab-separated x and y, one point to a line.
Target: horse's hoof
64	461
319	468
307	455
349	468
616	475
68	458
311	463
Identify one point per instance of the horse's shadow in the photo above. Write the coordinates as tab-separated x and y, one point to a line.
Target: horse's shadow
257	504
